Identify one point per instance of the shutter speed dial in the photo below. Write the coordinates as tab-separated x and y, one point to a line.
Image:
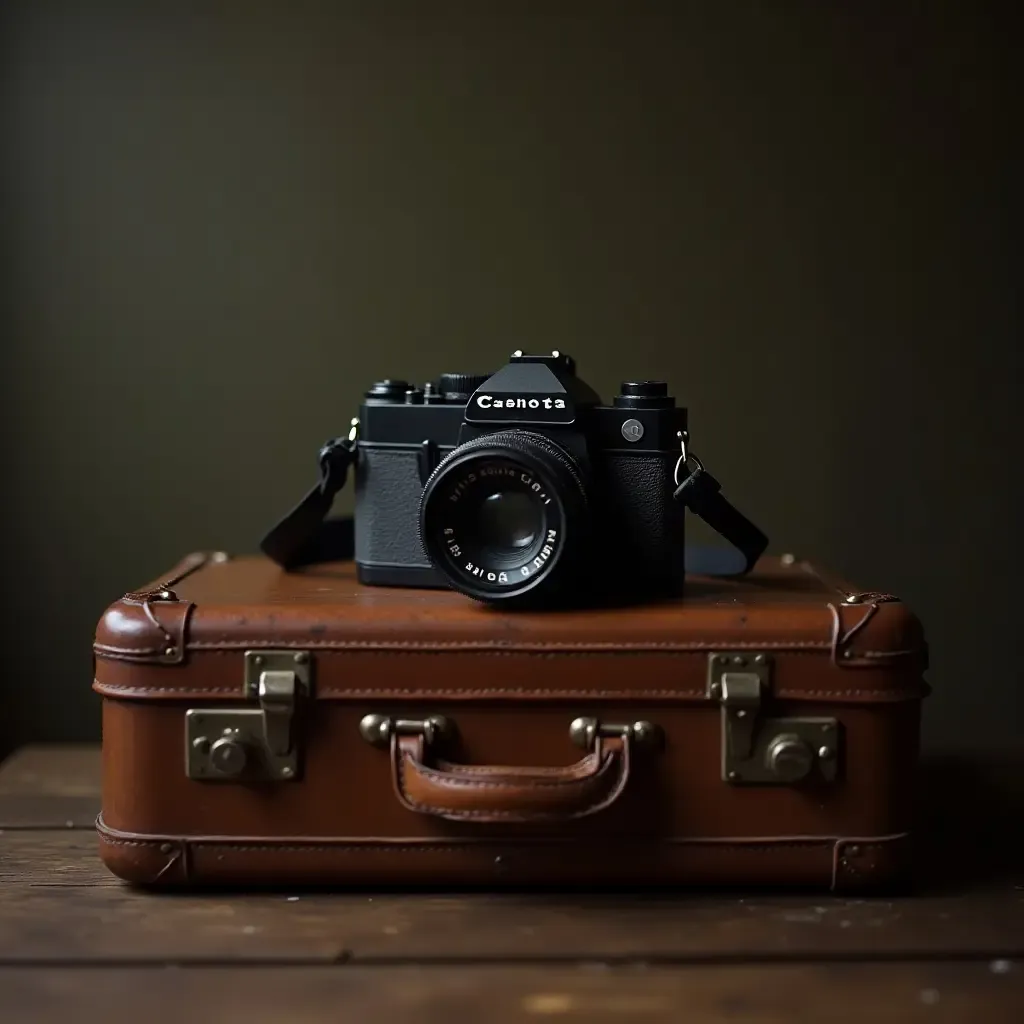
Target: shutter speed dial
458	387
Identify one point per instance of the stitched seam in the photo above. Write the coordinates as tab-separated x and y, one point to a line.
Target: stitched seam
236	690
525	781
517	691
380	848
485	648
474	813
491	646
512	776
542	784
108	649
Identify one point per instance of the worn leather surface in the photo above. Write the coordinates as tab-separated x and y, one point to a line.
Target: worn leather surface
510	799
845	865
493	793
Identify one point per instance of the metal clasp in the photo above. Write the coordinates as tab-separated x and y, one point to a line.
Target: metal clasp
584	732
741	698
684	460
378	729
760	749
252	744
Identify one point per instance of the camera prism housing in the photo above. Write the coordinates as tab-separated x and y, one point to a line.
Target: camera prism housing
520	485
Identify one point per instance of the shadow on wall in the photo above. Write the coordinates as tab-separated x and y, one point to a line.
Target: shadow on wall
224	226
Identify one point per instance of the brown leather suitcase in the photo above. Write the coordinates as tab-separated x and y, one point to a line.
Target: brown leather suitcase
264	727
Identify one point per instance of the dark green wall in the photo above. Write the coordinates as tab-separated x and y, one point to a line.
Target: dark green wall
221	221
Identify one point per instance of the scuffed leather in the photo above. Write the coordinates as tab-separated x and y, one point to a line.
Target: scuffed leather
511	683
166	861
816	640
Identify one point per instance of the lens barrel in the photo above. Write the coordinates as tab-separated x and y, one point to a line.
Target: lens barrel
501	517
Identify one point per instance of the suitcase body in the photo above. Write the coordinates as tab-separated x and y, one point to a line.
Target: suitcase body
271	728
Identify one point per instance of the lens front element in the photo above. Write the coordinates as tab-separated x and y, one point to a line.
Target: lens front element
507	522
498	513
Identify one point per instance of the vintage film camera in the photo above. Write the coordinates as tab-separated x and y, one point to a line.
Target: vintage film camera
519	486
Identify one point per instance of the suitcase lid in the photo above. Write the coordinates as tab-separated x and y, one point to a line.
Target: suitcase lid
823	639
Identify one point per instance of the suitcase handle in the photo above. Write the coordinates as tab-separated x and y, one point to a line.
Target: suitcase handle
492	793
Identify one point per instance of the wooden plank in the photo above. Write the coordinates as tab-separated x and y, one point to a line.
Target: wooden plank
59	903
48	859
882	994
66	770
48	812
50	787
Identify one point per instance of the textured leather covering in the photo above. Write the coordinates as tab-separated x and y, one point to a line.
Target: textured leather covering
824	647
510	799
388	489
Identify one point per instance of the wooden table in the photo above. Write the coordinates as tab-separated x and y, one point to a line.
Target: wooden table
76	944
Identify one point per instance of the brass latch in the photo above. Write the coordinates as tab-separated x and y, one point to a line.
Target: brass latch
584	731
252	744
378	729
760	749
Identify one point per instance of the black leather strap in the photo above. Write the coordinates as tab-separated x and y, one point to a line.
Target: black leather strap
702	495
305	536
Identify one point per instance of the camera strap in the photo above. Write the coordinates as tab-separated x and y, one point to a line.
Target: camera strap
702	494
306	536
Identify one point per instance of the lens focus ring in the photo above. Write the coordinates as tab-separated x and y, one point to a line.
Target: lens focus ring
502	515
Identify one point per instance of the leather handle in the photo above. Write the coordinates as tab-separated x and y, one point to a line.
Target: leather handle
490	793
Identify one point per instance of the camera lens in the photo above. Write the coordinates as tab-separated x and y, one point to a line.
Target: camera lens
507	522
502	516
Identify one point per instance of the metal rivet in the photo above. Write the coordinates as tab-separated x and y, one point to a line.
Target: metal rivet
632	430
498	859
788	559
826	727
739	660
723	659
166	847
170	652
733	776
375	729
301	658
851	599
716	690
760	659
853	851
740	713
847	654
643	733
258	660
219	556
824	753
201	743
286	772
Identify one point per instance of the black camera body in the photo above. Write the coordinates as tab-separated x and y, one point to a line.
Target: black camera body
520	485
